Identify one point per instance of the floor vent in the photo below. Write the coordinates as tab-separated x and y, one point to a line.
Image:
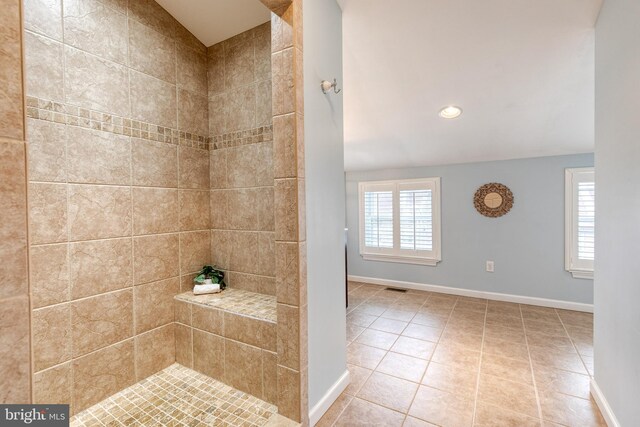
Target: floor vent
395	290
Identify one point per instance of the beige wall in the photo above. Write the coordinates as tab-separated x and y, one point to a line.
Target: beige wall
119	190
14	288
242	217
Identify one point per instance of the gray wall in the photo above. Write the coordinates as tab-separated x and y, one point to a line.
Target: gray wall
527	244
617	279
324	196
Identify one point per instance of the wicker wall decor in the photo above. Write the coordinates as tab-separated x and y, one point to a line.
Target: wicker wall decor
493	200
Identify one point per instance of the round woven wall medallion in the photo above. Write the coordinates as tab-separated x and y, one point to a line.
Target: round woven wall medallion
493	200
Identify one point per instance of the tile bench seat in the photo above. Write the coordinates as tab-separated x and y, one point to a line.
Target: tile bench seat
230	336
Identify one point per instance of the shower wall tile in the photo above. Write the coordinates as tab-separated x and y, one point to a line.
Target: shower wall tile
44	67
193	112
247	362
194	168
155	164
184	345
91	26
219	209
217	116
95	83
99	212
155	211
252	283
209	354
103	373
285	146
242	166
49	275
215	70
263	103
194	210
51	331
264	206
289	392
192	73
250	331
221	249
156	257
262	51
117	5
153	100
270	376
15	352
150	13
47	213
151	53
47	151
53	386
155	350
208	320
100	266
44	17
283	97
286	209
195	251
244	251
154	304
100	321
96	157
266	254
11	96
288	336
288	279
241	211
218	169
265	168
240	109
187	39
239	61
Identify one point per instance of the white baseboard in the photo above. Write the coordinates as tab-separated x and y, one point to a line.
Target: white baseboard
602	403
327	400
566	305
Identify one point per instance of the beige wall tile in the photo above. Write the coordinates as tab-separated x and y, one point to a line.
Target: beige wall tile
219	209
281	31
182	312
263	52
218	169
288	336
13	227
53	386
101	374
252	283
95	83
153	100
156	257
47	151
241	166
117	5
184	345
208	319
155	164
47	213
96	157
251	331
217	114
266	254
242	210
288	277
155	350
91	26
285	146
189	40
243	367
264	116
239	64
154	304
194	168
49	271
208	354
100	266
101	320
265	172
153	15
289	393
221	247
11	96
193	112
194	210
244	251
283	94
240	109
44	67
186	282
14	351
44	17
192	72
265	207
51	329
215	70
155	211
97	212
286	209
151	53
195	251
270	377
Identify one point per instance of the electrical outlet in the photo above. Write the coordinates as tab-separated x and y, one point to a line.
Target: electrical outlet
490	266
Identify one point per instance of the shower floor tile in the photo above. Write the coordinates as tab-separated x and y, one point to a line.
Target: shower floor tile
178	396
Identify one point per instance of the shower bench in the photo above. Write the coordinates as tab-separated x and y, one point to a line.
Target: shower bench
230	336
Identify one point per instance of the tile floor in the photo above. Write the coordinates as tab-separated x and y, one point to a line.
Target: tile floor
178	396
422	359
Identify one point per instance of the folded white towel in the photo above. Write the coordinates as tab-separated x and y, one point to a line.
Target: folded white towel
206	289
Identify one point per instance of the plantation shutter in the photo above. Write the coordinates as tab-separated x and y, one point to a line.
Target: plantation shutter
416	220
378	219
586	220
580	221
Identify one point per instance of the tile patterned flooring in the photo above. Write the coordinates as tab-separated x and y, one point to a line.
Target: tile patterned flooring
178	396
423	359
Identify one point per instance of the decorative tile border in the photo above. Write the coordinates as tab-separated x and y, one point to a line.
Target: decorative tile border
58	112
244	137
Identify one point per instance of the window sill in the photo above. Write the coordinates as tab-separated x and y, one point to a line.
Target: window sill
432	262
582	274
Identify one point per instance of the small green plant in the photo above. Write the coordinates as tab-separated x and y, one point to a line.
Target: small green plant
210	272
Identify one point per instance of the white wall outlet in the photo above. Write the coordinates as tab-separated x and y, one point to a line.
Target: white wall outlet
490	266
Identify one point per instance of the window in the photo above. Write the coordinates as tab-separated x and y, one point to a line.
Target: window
579	222
400	221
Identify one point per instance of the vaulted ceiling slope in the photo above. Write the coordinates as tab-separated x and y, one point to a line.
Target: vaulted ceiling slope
522	71
213	21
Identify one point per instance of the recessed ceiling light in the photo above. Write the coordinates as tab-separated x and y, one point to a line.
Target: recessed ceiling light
450	112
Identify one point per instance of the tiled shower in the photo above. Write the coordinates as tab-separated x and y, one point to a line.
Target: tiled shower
148	156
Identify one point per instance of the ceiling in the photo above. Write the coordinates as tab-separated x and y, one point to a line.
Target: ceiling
213	21
522	71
